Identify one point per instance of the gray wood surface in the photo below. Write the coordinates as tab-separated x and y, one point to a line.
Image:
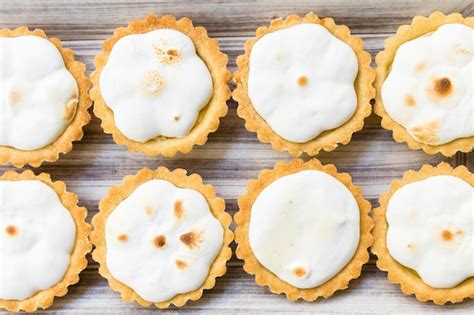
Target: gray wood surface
232	155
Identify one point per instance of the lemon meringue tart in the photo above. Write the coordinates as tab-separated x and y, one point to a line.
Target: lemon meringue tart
424	84
424	233
43	98
43	240
303	229
160	85
162	237
304	84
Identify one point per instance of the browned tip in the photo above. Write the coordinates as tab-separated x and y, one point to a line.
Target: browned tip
159	241
302	81
420	67
191	239
299	272
443	87
11	230
166	56
122	237
446	235
153	82
15	96
149	210
181	264
178	209
172	52
410	101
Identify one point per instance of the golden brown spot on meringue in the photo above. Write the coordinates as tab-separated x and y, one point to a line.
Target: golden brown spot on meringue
181	264
191	239
149	210
447	235
153	82
70	110
427	133
443	87
299	272
462	49
178	209
302	81
411	246
166	56
122	237
459	232
177	118
172	52
420	67
159	241
410	101
15	96
11	230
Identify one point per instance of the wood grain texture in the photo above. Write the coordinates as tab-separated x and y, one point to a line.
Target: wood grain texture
232	155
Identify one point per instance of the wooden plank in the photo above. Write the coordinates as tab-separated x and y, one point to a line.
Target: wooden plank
232	155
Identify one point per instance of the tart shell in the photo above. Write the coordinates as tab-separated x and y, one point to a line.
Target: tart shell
329	139
420	26
409	281
263	276
179	178
208	119
44	299
73	132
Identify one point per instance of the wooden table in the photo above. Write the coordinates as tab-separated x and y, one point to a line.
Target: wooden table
232	155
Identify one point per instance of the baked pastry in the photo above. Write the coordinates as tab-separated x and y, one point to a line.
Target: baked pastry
303	229
424	231
44	98
44	240
160	85
424	84
162	237
304	84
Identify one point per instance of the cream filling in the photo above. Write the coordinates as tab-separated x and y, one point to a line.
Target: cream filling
162	240
431	229
156	84
304	228
37	235
429	89
301	81
38	95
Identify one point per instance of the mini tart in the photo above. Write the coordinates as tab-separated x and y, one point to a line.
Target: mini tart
329	139
341	277
409	280
77	119
207	121
78	261
180	180
420	26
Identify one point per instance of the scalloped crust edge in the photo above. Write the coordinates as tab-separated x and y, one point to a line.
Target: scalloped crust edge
420	25
410	283
329	139
44	299
73	131
179	178
263	276
209	117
